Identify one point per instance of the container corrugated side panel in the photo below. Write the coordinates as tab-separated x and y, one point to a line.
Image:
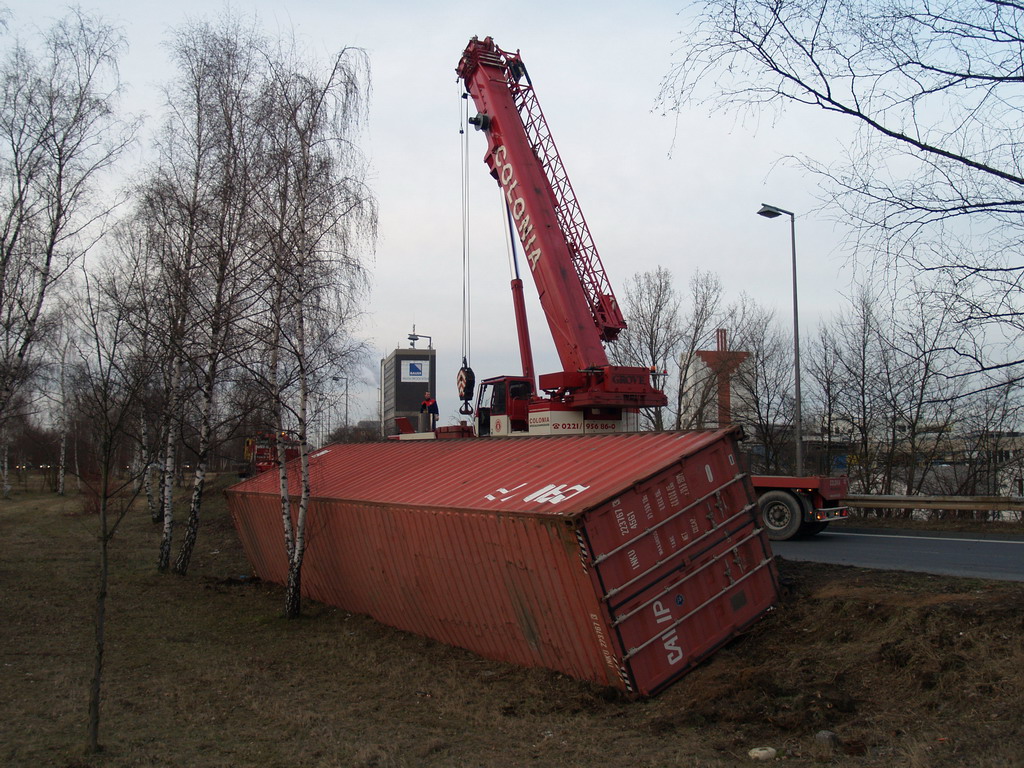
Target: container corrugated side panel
478	542
257	519
681	565
507	587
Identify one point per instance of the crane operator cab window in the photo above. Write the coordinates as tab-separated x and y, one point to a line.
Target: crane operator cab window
504	406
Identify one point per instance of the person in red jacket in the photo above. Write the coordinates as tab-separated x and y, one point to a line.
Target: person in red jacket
429	405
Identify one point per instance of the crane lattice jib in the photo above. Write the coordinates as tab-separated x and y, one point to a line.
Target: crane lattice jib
593	280
585	258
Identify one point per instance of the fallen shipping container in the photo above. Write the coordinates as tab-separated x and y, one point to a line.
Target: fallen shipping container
623	559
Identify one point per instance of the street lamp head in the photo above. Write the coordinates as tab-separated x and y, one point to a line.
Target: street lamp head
414	337
772	211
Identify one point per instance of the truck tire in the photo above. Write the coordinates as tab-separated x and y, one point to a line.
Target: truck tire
810	527
813	528
782	514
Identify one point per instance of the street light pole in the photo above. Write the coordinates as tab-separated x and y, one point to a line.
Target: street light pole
771	212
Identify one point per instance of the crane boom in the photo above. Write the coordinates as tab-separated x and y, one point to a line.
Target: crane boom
522	156
575	293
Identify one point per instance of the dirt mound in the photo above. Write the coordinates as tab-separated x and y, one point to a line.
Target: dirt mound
853	668
907	667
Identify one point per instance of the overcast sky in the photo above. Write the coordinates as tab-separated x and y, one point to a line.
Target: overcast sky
679	190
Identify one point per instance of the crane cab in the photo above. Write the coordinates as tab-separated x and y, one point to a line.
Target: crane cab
503	406
508	406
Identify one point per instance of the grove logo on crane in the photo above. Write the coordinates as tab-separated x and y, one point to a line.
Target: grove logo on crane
506	177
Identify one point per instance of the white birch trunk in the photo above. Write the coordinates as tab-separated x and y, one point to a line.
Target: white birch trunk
78	467
147	475
62	455
170	456
188	541
293	591
273	374
99	621
5	477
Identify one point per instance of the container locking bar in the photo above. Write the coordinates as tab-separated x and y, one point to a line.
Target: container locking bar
634	651
601	558
643	574
619	618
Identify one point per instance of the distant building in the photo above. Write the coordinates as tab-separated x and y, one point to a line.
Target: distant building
405	375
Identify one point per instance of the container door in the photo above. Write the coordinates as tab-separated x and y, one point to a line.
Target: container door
680	565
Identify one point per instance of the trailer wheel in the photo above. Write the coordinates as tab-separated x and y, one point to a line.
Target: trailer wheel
781	514
810	527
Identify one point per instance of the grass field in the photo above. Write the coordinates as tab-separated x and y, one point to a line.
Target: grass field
906	670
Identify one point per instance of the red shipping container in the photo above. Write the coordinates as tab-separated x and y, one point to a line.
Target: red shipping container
623	559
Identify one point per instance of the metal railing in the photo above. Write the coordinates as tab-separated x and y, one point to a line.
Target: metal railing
979	503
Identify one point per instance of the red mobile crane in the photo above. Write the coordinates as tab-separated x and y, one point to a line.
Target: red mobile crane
589	395
260	452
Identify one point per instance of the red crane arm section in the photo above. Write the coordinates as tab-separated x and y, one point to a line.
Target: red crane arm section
574	290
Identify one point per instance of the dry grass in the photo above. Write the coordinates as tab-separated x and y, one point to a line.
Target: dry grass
908	670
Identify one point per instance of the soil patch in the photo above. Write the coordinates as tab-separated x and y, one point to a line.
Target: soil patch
902	669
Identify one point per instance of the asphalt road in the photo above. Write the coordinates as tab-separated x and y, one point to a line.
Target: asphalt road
979	556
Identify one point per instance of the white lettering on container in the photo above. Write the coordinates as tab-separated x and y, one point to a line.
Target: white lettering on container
669	640
555	494
602	641
660	499
549	494
657	543
620	518
504	493
673	495
661	613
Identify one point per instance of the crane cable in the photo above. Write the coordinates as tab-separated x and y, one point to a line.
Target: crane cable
465	379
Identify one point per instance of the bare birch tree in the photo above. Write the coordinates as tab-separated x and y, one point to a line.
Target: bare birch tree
883	377
167	227
696	390
861	357
224	60
825	381
59	131
921	396
762	392
59	345
139	245
108	382
196	211
933	182
320	217
654	335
